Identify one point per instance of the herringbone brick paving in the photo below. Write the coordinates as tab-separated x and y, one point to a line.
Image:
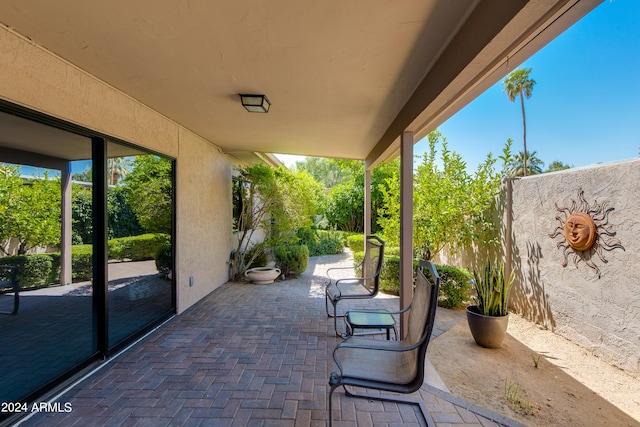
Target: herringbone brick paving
247	355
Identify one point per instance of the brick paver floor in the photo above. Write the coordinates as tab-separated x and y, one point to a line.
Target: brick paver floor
247	355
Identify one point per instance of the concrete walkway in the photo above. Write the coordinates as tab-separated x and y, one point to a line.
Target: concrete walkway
248	355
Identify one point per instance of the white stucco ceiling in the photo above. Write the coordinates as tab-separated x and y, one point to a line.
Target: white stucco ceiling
345	78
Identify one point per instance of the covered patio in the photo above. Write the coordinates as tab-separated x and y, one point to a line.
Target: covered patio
248	355
351	80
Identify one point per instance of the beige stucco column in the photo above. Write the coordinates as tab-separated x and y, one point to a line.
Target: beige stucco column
406	226
66	214
367	202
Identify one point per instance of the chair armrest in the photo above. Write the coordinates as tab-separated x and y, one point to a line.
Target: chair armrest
12	270
342	268
348	280
355	279
395	347
373	310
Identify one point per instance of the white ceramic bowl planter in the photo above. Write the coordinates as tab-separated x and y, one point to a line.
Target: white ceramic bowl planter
262	275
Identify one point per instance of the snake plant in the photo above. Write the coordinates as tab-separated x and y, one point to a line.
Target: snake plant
492	289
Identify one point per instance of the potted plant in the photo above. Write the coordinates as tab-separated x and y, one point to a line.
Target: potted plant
488	319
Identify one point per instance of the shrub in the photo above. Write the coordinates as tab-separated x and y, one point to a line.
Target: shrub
260	260
392	250
81	263
81	266
344	235
329	244
307	236
321	242
455	286
137	248
356	242
454	282
34	271
163	257
54	272
390	274
81	249
292	259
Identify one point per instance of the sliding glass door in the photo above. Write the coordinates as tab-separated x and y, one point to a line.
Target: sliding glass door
86	250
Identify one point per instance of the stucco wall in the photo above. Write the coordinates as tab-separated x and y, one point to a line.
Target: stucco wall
204	212
601	314
32	77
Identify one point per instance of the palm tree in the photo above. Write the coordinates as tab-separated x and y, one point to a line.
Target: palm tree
117	167
516	84
517	165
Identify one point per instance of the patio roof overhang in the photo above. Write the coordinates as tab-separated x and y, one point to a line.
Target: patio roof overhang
345	79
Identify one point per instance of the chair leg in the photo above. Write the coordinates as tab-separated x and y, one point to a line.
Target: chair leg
16	304
334	315
334	382
326	306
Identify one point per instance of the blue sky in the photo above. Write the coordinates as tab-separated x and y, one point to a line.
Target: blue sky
585	106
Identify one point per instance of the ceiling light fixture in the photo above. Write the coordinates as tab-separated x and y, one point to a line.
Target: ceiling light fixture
255	103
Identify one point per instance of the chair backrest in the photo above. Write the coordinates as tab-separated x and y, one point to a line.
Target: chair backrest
372	265
421	319
423	304
8	277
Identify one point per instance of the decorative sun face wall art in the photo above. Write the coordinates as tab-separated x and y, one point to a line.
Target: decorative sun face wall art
584	231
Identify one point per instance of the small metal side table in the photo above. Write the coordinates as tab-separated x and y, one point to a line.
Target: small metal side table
370	320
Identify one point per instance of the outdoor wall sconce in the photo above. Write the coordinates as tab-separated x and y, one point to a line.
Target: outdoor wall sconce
255	103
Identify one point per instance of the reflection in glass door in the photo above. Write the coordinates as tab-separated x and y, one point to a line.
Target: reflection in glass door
56	225
140	222
47	325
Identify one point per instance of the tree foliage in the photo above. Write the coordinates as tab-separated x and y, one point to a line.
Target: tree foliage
325	171
121	220
277	201
150	192
557	165
344	206
29	210
81	214
449	203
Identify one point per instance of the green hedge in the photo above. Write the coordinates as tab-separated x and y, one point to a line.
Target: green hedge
321	242
163	258
455	283
34	271
41	270
292	259
356	242
390	274
455	286
137	248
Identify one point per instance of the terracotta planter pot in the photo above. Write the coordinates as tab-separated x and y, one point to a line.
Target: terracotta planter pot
487	331
262	275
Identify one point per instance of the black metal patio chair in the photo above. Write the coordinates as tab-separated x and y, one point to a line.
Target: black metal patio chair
9	283
393	366
366	286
